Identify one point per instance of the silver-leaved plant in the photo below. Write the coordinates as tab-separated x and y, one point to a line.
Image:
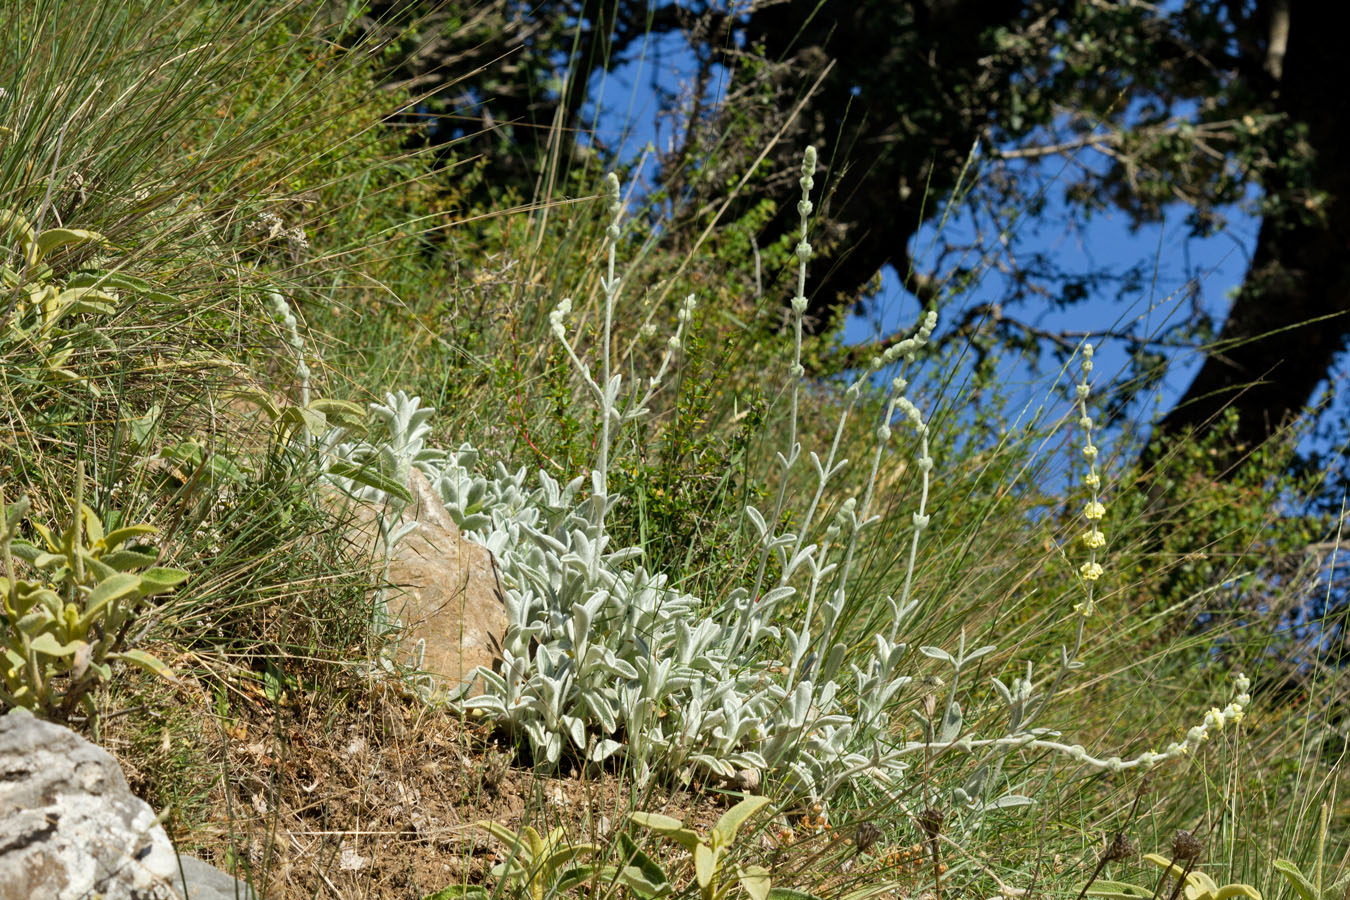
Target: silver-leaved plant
607	657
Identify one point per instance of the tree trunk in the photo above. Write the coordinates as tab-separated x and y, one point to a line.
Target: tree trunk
1292	314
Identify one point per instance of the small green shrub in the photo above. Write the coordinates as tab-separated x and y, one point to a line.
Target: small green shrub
539	864
710	852
64	631
39	312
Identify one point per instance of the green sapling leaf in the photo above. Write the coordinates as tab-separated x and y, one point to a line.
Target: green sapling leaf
55	238
1297	879
665	825
705	865
1118	890
47	644
755	880
723	834
145	662
459	892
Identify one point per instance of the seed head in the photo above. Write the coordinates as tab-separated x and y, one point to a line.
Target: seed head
866	837
1120	847
930	820
1185	846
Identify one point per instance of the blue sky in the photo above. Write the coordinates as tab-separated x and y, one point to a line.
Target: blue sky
628	102
1179	272
1177	269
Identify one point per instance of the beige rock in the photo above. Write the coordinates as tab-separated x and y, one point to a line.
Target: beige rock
444	590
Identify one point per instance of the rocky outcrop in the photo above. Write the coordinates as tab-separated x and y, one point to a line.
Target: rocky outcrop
71	829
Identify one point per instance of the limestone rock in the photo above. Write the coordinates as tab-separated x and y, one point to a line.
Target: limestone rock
445	591
202	881
71	829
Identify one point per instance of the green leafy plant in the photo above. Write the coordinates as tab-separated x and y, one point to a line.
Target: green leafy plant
647	879
64	631
1308	888
1194	885
315	419
710	852
35	306
538	864
1315	888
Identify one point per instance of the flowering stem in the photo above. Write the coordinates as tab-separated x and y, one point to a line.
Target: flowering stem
797	371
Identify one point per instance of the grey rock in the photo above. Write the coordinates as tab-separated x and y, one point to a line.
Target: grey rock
203	881
71	829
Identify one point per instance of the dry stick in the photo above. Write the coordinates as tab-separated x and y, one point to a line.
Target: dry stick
931	822
1181	882
773	142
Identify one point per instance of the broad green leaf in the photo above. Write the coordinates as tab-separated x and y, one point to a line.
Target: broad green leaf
158	579
459	892
552	841
705	865
340	412
15	226
47	644
119	536
85	300
261	399
189	452
126	560
97	567
665	825
13	659
1229	891
34	622
1200	879
48	560
85	306
580	875
221	467
45	533
42	597
755	880
1200	885
557	858
724	832
109	590
508	837
536	843
145	661
141	429
123	584
656	822
25	551
117	280
633	855
311	420
15	512
510	870
1118	890
370	476
782	893
635	879
1301	884
54	238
